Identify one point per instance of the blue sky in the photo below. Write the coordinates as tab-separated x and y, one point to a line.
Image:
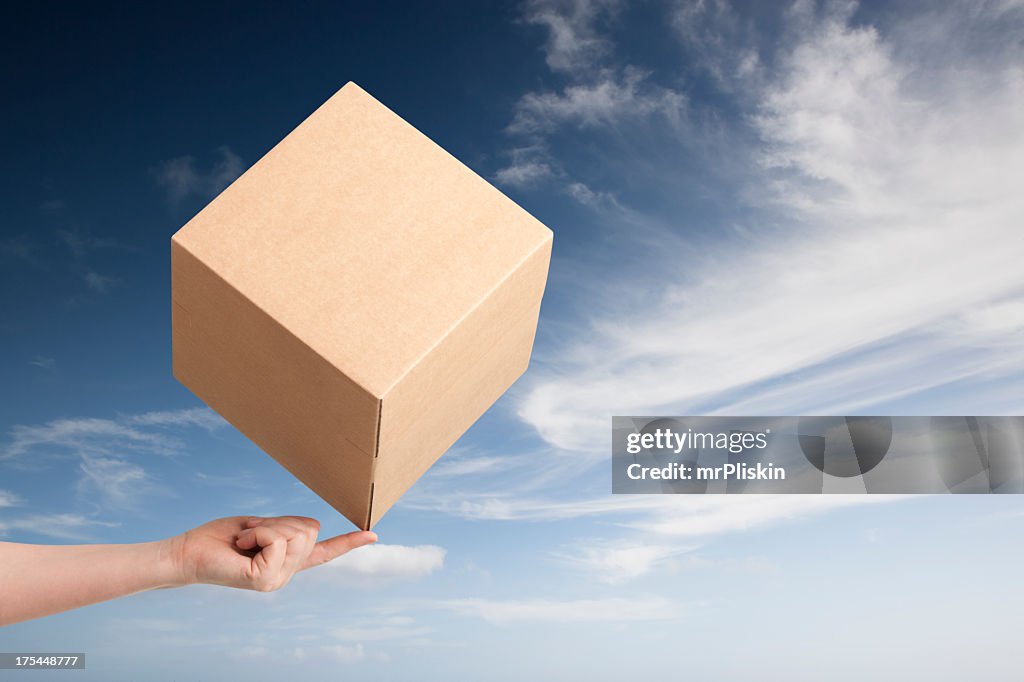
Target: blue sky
759	209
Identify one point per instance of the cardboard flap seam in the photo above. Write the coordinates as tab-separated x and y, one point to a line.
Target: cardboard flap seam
369	508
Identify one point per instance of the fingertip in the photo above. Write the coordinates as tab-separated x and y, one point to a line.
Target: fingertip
363	537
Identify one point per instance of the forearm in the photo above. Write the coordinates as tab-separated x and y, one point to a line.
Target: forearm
38	580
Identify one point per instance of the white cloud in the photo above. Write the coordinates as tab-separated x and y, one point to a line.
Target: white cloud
81	244
472	465
401	628
619	561
703	516
344	653
101	284
103	448
689	516
23	248
100	436
574	39
85	434
888	193
589	197
59	526
112	481
719	41
387	562
607	101
523	173
602	95
181	178
202	417
606	610
9	499
43	362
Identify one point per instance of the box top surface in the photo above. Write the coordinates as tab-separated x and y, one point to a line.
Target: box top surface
363	237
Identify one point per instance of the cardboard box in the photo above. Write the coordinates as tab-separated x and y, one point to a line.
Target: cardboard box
355	301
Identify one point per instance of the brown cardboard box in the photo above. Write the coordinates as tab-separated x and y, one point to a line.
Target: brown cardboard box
355	301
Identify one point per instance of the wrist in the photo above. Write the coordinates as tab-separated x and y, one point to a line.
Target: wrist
170	562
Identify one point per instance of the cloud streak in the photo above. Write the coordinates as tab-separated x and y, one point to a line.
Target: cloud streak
104	449
600	95
574	38
619	561
560	611
57	526
181	177
888	248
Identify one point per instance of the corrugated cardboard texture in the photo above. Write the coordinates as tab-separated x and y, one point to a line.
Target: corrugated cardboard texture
267	383
463	376
357	271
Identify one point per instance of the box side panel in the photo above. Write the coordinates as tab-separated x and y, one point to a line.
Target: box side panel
454	384
273	388
351	232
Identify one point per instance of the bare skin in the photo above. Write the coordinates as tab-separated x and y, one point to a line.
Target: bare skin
247	552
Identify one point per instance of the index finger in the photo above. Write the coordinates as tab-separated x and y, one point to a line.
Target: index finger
332	548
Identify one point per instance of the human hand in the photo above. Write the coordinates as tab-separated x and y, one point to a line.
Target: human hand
257	553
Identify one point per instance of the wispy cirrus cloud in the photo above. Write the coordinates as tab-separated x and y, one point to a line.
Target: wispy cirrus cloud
93	435
383	628
117	482
182	177
575	40
86	434
43	362
58	526
607	101
524	171
600	94
22	248
202	417
884	254
618	561
82	244
600	610
98	283
689	516
105	449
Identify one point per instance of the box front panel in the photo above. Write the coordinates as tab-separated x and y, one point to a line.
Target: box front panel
292	403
